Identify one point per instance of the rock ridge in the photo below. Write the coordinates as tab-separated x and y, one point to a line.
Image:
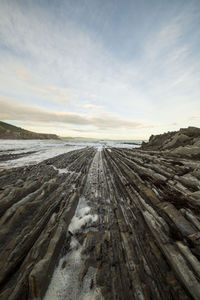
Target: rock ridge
115	224
185	142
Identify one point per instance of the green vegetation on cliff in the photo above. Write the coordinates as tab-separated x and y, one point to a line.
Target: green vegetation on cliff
8	131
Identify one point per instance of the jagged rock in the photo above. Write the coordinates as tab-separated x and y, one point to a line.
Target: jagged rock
182	143
117	224
179	139
192	151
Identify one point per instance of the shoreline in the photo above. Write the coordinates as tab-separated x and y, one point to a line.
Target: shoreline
146	206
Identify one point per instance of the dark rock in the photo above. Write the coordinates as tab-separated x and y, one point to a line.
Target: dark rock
182	143
139	237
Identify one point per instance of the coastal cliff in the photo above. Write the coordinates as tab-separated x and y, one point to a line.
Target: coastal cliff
8	131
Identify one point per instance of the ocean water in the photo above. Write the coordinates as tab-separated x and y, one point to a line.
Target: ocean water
44	149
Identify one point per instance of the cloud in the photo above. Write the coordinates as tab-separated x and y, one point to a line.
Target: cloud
191	120
54	93
22	79
12	110
23	74
93	107
195	117
147	70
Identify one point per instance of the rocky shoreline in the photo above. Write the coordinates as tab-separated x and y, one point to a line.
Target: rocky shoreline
114	223
13	156
182	143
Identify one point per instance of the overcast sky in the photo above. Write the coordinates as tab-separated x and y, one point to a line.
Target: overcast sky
121	69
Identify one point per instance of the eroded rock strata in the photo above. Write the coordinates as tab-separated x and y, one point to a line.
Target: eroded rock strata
182	143
110	224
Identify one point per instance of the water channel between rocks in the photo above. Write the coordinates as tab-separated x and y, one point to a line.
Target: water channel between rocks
66	283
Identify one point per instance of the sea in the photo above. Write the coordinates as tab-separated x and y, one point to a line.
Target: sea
18	153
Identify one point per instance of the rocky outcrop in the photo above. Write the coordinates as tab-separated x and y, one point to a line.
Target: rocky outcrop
8	131
35	213
110	224
185	142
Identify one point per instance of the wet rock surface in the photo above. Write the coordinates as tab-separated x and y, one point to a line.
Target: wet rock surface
5	157
110	224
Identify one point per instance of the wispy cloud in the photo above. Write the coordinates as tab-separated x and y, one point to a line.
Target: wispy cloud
101	121
57	94
93	107
70	59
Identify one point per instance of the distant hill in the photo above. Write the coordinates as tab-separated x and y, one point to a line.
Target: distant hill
8	131
79	139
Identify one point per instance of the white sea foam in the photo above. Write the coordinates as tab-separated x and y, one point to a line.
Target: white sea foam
82	218
61	171
45	149
82	222
65	283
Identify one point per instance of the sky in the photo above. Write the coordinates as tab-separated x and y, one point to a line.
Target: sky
108	69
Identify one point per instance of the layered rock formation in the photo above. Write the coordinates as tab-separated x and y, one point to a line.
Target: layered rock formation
110	224
8	131
185	142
